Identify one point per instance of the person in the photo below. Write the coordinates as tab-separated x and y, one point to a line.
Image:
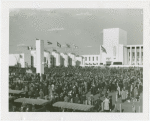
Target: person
26	90
133	108
89	99
99	101
66	98
123	95
135	93
36	93
73	80
76	99
106	104
110	104
83	98
118	89
29	93
41	94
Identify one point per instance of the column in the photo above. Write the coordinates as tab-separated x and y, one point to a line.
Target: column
100	55
83	61
140	53
130	55
40	56
49	61
135	57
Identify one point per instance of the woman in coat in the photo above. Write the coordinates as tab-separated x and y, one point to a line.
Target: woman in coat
135	93
123	95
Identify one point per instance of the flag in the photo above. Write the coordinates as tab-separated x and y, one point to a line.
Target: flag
103	49
30	48
58	44
49	43
68	45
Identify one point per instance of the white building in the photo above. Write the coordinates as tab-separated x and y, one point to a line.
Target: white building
72	59
40	56
23	59
55	58
47	58
91	60
115	50
64	59
115	43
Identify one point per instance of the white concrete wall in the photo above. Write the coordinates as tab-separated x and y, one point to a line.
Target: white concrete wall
125	56
114	38
73	58
40	56
110	40
65	59
47	56
120	57
56	56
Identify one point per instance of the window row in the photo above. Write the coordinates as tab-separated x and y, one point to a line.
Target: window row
91	58
133	53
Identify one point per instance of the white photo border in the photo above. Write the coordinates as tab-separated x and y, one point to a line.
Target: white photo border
6	115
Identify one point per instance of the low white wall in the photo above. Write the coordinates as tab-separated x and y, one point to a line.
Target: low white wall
126	65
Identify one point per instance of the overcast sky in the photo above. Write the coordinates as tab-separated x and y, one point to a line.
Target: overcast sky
82	27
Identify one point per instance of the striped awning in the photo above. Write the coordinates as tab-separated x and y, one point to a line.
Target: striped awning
73	106
15	91
32	101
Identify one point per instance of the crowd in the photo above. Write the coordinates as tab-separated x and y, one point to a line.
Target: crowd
72	84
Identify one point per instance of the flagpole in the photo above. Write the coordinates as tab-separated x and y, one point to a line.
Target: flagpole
100	54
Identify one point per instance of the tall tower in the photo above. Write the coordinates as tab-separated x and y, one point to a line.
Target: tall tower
40	56
115	42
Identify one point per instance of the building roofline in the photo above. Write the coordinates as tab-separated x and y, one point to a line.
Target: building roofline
133	45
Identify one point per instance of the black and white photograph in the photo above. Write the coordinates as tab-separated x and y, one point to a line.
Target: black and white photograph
76	60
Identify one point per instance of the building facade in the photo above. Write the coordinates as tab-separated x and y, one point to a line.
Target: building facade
91	60
115	50
50	59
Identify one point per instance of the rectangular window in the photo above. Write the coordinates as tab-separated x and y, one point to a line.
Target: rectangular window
32	61
132	53
137	53
93	58
89	58
85	58
97	58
